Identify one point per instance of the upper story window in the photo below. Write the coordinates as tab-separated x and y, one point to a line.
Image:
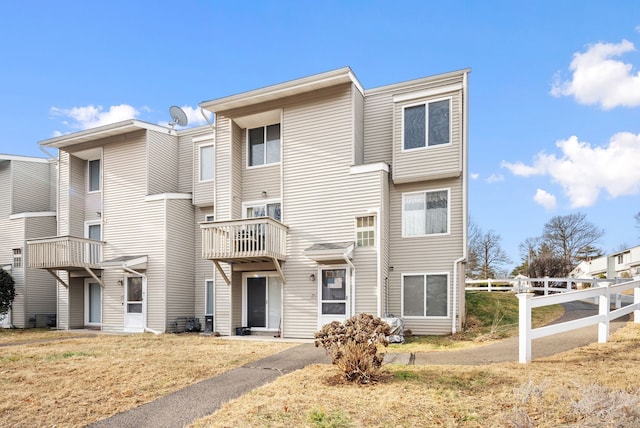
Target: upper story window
206	162
209	217
427	124
365	231
17	257
425	213
264	210
264	145
94	175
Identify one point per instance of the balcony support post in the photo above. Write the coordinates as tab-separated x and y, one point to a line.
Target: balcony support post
58	278
98	280
222	273
276	263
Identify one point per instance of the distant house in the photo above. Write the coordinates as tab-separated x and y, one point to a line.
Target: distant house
621	264
28	209
308	201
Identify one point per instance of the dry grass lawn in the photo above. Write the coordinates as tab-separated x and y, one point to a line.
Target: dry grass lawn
594	386
79	380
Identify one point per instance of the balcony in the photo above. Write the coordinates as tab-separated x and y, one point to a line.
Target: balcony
250	240
65	253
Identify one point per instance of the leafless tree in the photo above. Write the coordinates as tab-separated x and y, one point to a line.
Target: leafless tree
486	256
567	235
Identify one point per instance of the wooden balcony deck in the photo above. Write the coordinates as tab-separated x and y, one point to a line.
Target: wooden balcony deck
65	253
244	241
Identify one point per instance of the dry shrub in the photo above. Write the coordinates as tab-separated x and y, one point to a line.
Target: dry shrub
352	346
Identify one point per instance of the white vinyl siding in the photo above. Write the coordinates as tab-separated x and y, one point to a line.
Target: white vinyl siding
30	187
162	163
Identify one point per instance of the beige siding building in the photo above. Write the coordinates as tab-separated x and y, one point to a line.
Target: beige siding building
27	210
304	202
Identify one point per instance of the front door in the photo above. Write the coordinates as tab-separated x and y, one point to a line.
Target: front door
334	295
262	303
134	306
92	303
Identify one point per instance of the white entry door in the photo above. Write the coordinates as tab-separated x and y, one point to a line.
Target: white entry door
134	306
92	303
334	295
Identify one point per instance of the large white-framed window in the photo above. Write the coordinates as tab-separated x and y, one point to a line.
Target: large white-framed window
425	295
425	213
365	231
209	297
94	175
269	208
206	162
17	258
427	124
263	145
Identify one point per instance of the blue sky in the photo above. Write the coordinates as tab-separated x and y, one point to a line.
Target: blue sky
554	90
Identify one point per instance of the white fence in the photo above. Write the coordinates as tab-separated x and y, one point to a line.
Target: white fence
522	285
602	292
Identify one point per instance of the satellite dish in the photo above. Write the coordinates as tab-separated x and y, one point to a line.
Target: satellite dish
178	116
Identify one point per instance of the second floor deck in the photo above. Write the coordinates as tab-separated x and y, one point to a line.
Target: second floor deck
65	253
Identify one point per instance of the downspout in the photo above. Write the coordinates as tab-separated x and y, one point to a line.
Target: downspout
465	204
352	293
376	211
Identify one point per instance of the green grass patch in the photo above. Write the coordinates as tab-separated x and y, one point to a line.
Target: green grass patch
70	354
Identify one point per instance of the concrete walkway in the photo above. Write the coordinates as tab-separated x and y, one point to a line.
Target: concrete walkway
204	398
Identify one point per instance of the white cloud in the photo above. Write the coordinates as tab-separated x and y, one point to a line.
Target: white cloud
599	79
474	175
584	171
91	116
495	178
195	116
545	199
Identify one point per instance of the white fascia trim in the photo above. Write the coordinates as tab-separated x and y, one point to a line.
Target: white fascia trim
203	138
427	93
22	158
33	214
167	196
369	167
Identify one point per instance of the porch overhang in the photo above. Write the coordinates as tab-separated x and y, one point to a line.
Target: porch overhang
126	263
328	251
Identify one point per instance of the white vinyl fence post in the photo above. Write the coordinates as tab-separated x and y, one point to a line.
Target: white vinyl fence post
489	284
524	327
546	285
603	310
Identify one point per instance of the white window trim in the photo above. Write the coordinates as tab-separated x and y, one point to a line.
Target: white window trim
425	274
374	228
448	232
347	288
248	147
266	274
200	147
260	202
209	217
426	136
89	176
92	223
16	257
213	296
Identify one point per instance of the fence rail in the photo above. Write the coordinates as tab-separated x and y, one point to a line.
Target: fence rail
547	285
602	292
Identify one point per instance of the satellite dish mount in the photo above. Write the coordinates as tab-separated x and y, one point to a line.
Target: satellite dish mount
178	117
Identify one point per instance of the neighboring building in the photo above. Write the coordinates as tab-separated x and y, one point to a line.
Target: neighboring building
621	264
28	209
308	201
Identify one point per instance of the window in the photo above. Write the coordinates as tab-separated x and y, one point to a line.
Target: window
427	125
94	175
271	210
206	163
264	145
620	258
209	297
365	231
209	217
425	295
17	257
425	213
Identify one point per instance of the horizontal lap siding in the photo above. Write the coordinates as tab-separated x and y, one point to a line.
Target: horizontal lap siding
420	164
41	286
378	127
424	254
180	260
76	302
319	203
204	269
12	235
162	163
132	227
76	193
203	192
31	187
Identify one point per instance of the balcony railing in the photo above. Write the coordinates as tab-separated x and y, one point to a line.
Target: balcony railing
244	240
65	252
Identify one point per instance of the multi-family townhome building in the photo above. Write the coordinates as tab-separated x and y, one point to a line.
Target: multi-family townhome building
27	192
302	203
621	264
124	252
